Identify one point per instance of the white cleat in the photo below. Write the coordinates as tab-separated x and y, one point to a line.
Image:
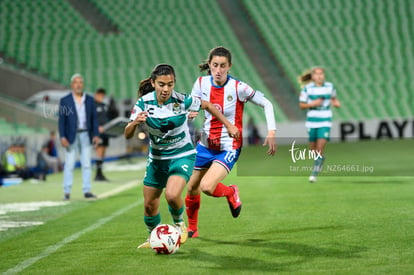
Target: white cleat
312	179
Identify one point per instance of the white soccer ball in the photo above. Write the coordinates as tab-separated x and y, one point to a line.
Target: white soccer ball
165	239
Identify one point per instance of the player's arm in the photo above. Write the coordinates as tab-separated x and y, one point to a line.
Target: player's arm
260	100
312	104
137	117
132	125
303	101
335	102
233	130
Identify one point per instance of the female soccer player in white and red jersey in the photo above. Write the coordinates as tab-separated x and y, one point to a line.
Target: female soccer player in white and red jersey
217	151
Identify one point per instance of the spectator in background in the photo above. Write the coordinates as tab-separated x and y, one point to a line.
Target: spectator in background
51	145
113	111
45	162
78	130
14	162
52	149
102	112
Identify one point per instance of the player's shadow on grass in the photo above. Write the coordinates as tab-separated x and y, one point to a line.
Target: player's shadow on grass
229	263
276	250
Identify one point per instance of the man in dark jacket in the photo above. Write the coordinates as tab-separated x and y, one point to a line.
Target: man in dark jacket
78	130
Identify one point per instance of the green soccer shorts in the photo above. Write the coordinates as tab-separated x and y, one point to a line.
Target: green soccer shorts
158	171
317	133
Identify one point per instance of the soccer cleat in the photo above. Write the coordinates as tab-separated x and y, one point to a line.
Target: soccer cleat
89	195
234	201
66	197
183	231
312	179
193	234
145	244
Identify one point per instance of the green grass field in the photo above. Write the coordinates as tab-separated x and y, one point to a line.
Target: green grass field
339	225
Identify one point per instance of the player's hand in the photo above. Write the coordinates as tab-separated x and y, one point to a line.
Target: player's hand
100	129
270	141
335	102
192	115
317	102
96	140
233	131
64	142
141	117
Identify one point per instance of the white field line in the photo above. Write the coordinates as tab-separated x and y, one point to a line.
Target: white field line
119	189
53	248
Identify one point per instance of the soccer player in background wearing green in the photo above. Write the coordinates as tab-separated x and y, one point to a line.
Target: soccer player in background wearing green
171	154
316	97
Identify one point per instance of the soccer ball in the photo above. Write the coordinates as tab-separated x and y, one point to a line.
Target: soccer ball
165	239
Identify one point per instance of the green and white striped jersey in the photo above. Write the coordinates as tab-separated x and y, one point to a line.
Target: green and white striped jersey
320	116
167	124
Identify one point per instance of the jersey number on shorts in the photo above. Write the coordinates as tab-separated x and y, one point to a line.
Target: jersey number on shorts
230	155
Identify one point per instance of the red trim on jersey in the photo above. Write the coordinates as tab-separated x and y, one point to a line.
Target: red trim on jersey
214	137
199	81
238	119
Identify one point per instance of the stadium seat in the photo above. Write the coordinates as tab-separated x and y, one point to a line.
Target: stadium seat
358	42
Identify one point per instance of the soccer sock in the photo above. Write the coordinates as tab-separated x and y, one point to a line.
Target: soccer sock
223	191
192	205
99	163
152	222
177	214
317	166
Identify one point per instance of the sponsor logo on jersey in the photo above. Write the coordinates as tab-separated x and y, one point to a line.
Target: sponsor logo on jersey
218	106
176	108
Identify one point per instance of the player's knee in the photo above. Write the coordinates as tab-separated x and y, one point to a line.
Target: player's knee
192	188
207	187
172	198
150	209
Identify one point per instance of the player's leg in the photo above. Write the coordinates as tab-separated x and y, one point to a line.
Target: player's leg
173	195
192	202
322	137
100	155
203	161
312	147
154	182
211	185
179	172
152	217
320	146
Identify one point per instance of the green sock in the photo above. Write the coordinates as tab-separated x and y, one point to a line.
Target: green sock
177	214
152	222
317	166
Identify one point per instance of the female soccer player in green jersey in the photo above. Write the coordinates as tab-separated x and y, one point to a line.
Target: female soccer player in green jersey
171	154
317	96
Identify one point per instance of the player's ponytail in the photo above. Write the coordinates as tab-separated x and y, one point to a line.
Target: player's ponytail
218	51
306	77
204	67
145	85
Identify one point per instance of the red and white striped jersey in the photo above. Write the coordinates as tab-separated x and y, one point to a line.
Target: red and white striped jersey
228	99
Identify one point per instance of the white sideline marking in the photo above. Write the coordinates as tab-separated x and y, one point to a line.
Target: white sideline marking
53	248
119	189
27	206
